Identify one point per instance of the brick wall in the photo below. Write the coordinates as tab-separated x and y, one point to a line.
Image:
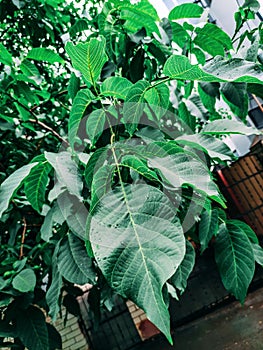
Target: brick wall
72	338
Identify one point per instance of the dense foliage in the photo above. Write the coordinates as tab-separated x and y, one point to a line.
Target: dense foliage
110	131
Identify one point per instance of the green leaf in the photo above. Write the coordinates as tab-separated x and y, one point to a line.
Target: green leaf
116	86
186	116
80	25
179	279
73	261
134	105
25	281
67	171
5	56
54	338
30	70
183	169
180	35
53	292
88	58
228	127
73	86
236	96
186	11
218	70
213	40
258	253
101	184
11	184
95	162
139	166
210	145
138	247
36	185
158	98
251	235
95	125
80	104
32	329
208	227
141	14
44	54
235	259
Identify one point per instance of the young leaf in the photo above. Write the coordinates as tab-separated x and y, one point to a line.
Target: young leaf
11	184
66	170
235	259
138	247
180	35
36	184
179	279
186	116
228	127
158	99
208	227
73	86
32	329
95	162
185	11
80	104
116	86
73	261
95	125
88	58
25	281
29	69
44	54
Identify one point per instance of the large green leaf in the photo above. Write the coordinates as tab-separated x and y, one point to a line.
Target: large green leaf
44	54
183	169
11	184
88	58
134	105
138	246
186	11
25	281
36	185
179	279
188	119
5	56
180	35
228	127
95	125
66	170
73	261
116	86
235	259
80	25
80	104
30	70
236	96
214	147
213	40
208	227
218	70
141	14
32	328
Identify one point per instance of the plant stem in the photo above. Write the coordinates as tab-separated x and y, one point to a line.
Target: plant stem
21	254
